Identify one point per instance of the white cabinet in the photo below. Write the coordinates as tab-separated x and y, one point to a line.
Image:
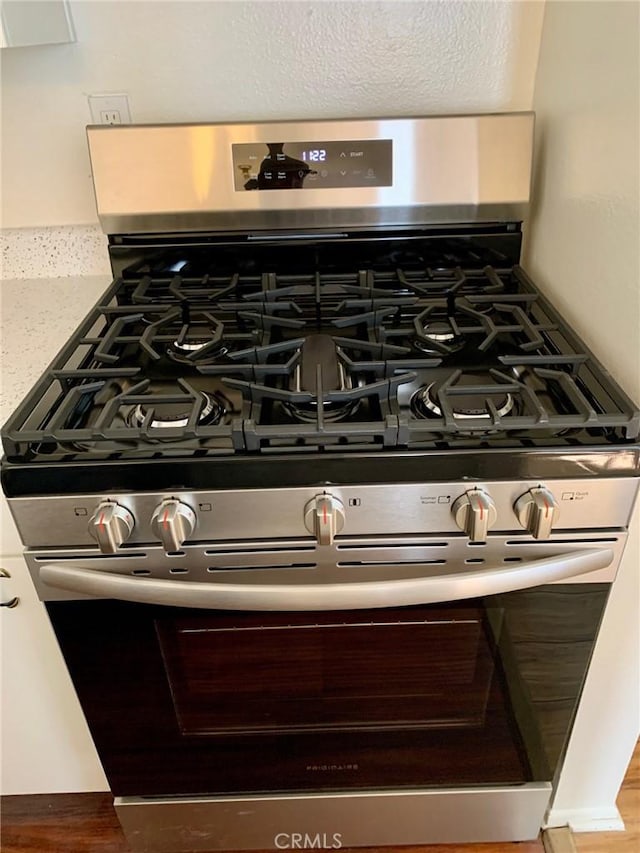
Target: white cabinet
45	743
31	22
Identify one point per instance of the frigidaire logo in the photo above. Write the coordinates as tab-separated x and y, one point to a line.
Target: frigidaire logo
304	841
316	768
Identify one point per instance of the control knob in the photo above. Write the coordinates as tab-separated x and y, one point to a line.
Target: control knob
537	511
111	525
324	517
172	522
475	512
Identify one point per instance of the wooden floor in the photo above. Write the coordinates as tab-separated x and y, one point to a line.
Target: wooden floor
86	823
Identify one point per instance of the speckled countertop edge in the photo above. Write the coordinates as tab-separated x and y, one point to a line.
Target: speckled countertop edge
61	251
37	316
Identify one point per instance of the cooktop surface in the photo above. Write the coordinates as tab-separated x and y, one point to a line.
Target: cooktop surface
186	356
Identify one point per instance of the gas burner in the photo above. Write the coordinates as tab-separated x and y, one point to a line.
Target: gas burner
436	329
436	333
187	336
185	351
481	306
321	370
332	412
172	415
425	402
447	326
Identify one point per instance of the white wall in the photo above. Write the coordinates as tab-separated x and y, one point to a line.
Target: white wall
228	61
583	248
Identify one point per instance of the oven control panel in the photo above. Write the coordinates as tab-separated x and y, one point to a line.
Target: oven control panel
347	163
477	512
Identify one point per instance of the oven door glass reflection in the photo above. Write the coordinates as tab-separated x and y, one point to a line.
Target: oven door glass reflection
277	674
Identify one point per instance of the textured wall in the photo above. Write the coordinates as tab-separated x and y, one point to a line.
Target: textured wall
221	61
584	249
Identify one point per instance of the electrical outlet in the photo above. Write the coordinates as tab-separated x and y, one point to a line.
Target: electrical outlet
110	117
109	109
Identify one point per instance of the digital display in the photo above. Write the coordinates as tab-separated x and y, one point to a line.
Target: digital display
312	165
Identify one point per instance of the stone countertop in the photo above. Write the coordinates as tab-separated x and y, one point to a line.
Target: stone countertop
37	316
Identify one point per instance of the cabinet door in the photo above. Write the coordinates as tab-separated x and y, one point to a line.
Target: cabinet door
35	22
46	745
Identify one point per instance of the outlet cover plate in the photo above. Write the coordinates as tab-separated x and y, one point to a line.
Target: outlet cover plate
109	109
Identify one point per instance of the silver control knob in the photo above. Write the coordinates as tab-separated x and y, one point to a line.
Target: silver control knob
324	517
111	524
475	512
173	522
537	512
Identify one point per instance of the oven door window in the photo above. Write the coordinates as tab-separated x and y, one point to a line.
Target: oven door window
248	674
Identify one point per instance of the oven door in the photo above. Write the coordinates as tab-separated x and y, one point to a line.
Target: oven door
473	693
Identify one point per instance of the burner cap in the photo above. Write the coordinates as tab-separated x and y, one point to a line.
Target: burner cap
425	403
435	333
167	415
439	332
185	334
308	412
183	351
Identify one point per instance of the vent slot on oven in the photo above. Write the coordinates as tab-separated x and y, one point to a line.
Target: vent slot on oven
130	555
259	566
582	540
397	546
286	555
392	563
391	553
260	549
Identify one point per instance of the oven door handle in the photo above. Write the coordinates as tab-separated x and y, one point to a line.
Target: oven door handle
343	595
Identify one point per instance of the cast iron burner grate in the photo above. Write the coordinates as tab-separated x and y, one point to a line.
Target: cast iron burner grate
361	359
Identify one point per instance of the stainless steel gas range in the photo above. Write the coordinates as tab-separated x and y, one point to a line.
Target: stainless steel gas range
324	499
